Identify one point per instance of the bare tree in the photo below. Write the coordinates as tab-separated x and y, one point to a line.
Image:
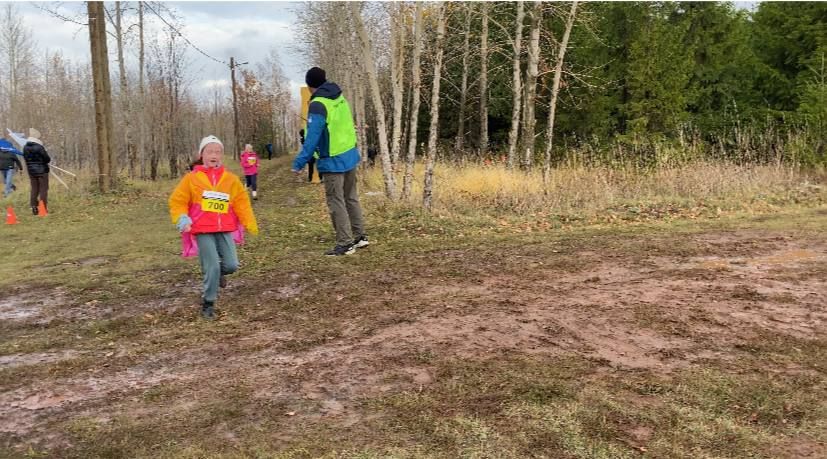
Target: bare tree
103	95
276	88
459	142
416	88
428	189
517	90
370	68
123	95
531	85
71	102
397	76
484	80
141	92
555	89
16	50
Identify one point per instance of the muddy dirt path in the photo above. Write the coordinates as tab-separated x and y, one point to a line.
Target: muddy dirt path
620	306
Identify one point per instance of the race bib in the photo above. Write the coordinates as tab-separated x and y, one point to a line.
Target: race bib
251	160
214	201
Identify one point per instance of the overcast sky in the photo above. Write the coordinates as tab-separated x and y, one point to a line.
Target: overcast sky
244	30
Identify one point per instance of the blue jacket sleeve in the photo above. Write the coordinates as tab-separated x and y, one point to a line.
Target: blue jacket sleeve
315	125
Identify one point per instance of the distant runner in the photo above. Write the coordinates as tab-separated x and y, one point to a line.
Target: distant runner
8	163
249	163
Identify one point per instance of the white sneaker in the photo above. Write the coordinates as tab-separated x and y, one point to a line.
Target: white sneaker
362	241
254	195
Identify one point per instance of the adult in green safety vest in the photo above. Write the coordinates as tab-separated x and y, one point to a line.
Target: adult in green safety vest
331	135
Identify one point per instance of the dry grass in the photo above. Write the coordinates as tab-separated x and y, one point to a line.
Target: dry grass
119	310
585	190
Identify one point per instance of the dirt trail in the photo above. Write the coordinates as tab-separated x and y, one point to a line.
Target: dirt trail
627	311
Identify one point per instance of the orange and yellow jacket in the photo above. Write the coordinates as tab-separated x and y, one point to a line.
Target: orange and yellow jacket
214	199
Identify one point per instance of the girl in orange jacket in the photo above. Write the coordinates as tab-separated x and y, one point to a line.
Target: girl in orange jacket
210	203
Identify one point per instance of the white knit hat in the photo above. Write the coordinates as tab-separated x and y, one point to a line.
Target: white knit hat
34	136
208	140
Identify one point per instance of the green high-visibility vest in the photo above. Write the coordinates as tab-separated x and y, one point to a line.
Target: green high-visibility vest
340	129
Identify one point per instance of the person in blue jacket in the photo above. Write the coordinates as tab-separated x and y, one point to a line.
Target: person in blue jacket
9	161
331	135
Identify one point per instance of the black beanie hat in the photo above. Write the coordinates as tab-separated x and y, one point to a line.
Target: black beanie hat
315	77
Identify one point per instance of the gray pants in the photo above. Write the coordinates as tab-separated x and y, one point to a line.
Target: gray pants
343	204
216	252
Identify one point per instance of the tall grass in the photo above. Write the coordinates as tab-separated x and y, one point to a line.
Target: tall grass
575	188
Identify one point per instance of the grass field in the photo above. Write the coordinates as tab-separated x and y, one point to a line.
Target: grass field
673	327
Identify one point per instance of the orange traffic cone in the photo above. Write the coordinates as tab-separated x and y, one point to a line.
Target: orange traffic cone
11	219
41	209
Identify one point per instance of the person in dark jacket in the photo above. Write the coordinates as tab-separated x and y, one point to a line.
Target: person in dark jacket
331	139
371	157
8	163
37	164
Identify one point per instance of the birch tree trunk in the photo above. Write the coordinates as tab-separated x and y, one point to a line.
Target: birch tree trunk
433	131
141	93
555	90
370	66
124	92
171	112
484	81
352	67
517	86
358	94
459	143
398	77
531	86
416	88
103	95
361	115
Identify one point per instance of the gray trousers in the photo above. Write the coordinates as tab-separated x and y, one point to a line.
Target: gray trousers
216	252
343	204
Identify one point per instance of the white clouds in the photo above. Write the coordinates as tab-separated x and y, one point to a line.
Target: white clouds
209	84
244	30
53	34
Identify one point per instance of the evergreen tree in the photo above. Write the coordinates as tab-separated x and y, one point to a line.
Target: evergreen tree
786	39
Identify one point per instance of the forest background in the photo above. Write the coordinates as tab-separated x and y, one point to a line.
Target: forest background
630	84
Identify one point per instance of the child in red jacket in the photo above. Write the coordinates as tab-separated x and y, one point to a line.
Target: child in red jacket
209	205
249	162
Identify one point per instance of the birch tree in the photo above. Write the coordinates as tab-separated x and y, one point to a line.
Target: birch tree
397	76
428	189
555	90
459	142
484	80
516	85
123	95
370	68
141	92
416	88
531	86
